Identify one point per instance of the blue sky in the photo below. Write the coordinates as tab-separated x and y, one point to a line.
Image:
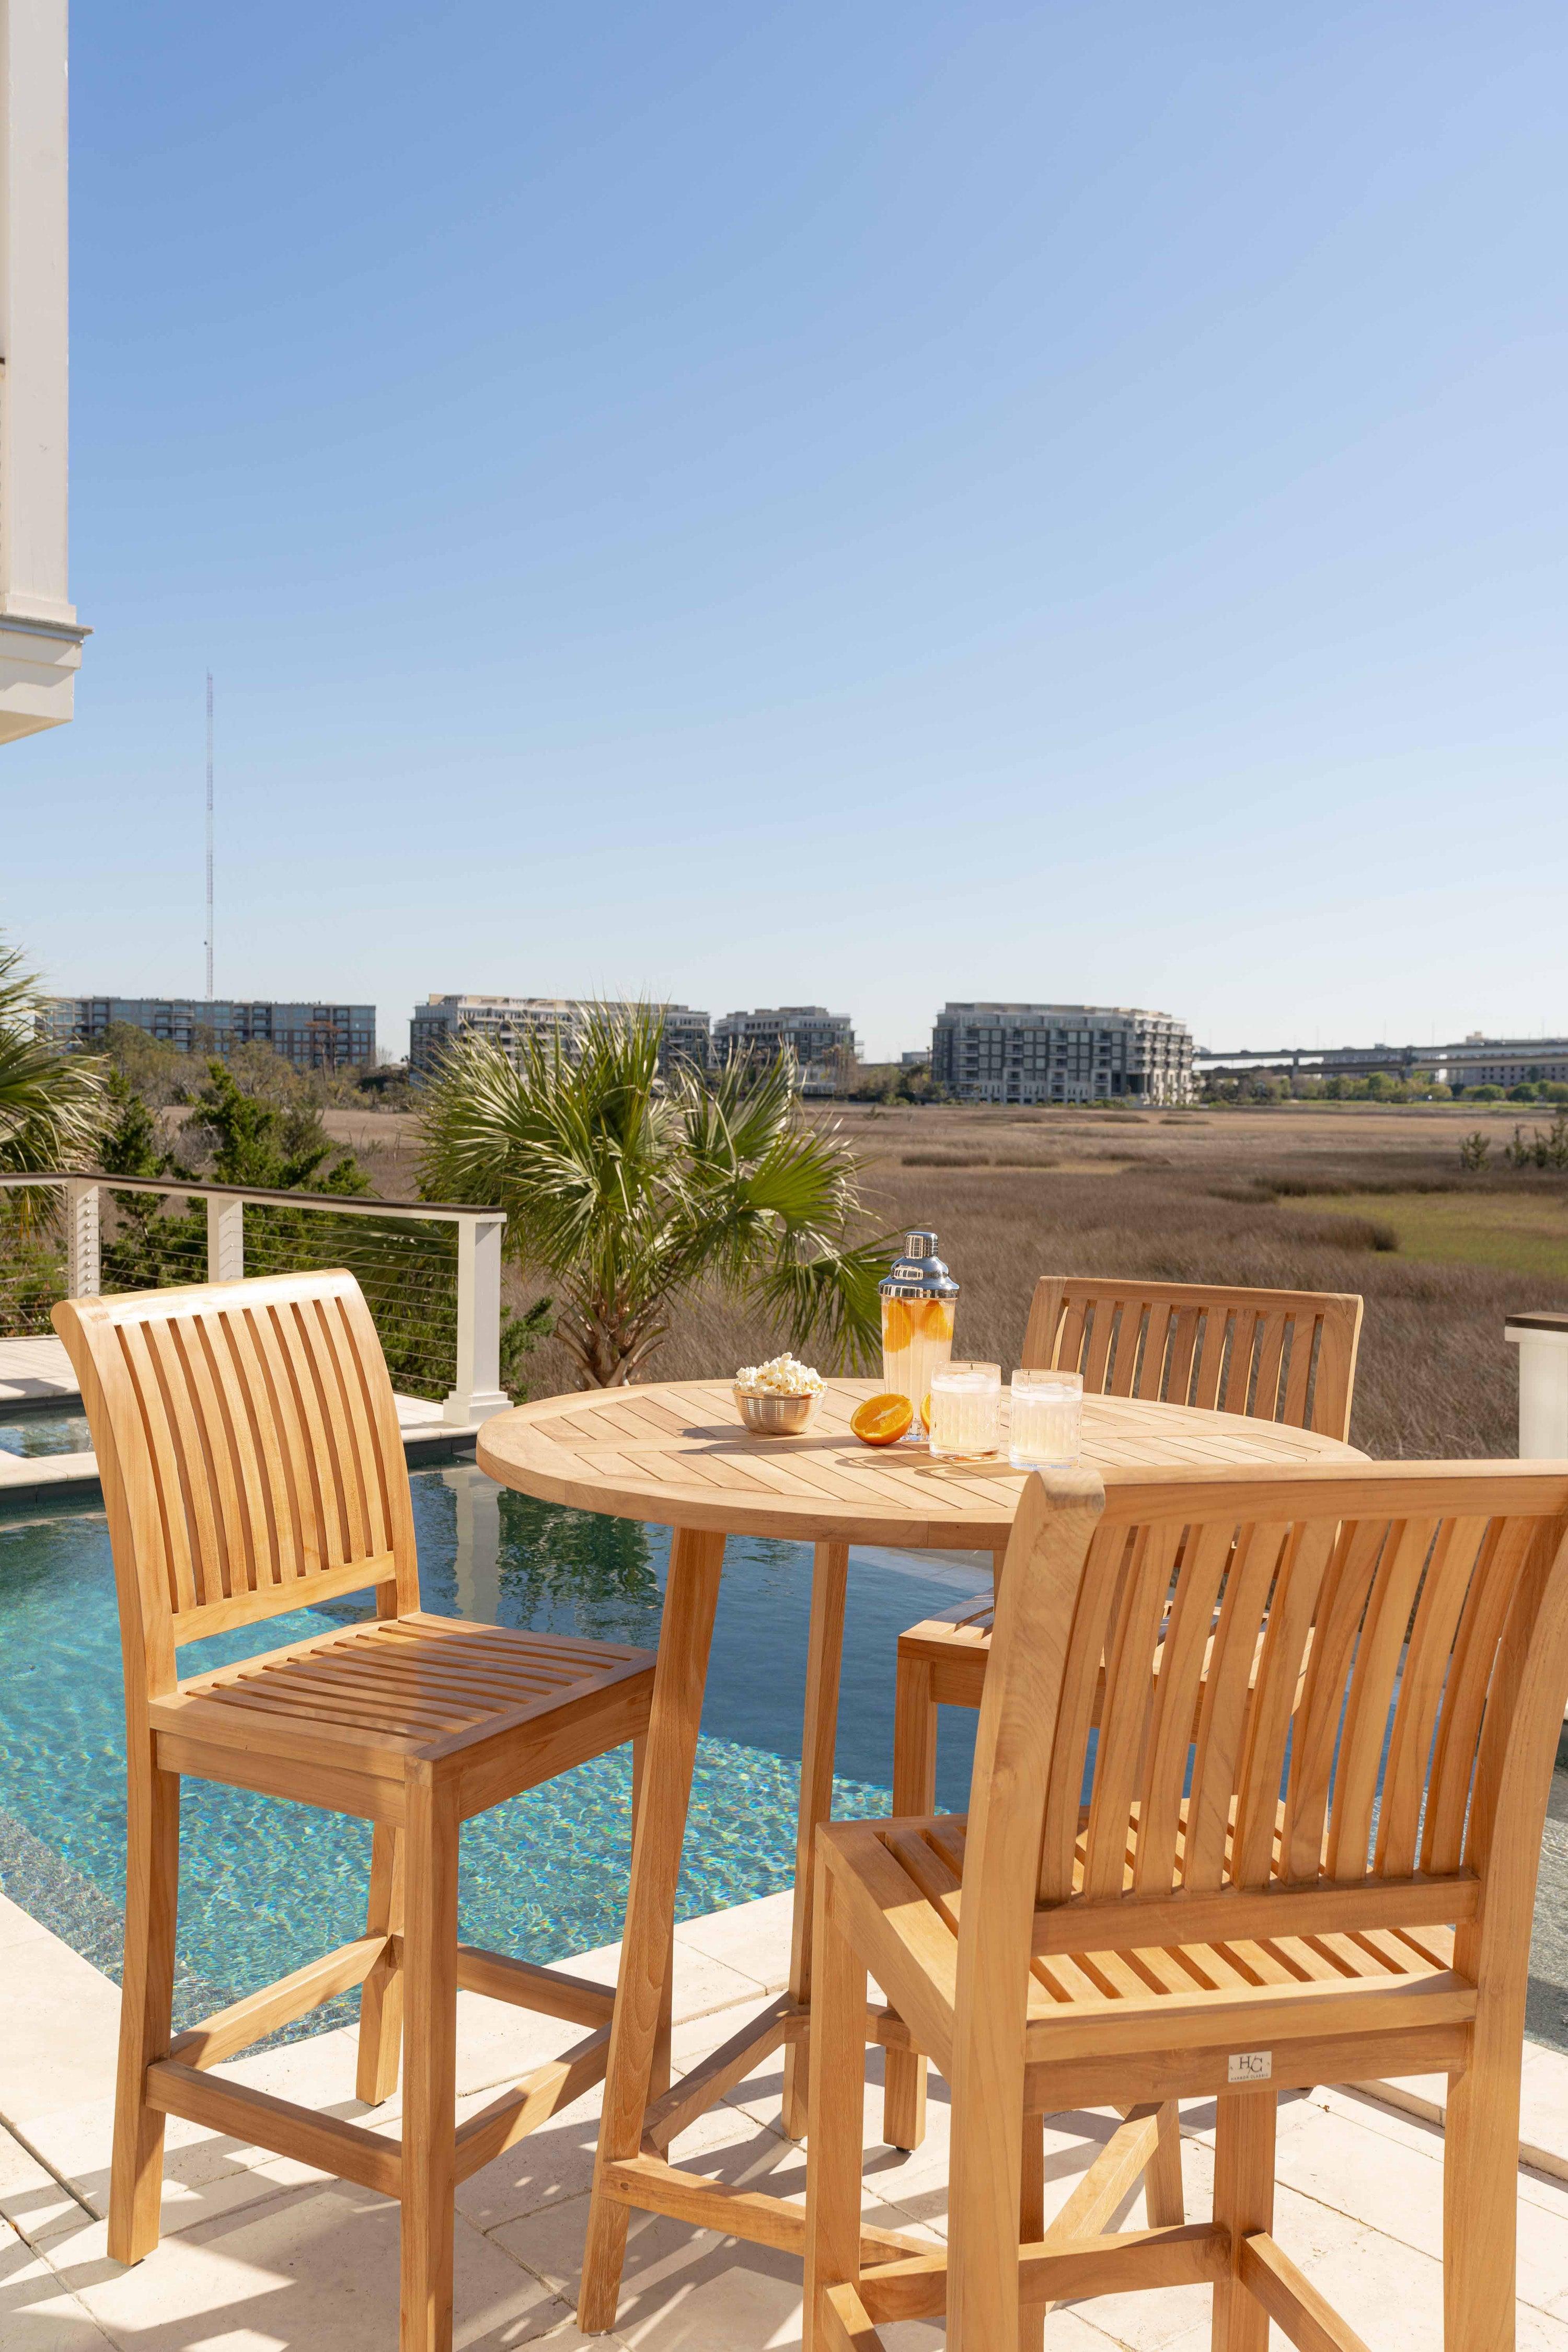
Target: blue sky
796	502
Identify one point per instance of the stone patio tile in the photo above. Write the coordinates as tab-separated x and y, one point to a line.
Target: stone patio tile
1543	2105
36	2313
1398	2190
316	2266
31	2198
688	2290
17	1926
703	1982
753	1939
691	2042
59	2027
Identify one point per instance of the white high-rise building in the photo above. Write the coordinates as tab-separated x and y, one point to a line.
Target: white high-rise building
40	637
1061	1053
821	1042
443	1020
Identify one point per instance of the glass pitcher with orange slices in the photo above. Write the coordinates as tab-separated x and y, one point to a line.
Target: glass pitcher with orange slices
918	1296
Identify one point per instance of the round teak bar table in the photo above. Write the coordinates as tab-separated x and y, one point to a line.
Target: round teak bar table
677	1454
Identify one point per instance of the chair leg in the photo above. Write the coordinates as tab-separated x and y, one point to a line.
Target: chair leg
1164	2202
1480	2188
915	1791
1032	2224
659	2078
381	1997
690	1595
836	2120
429	2100
819	1734
1244	2201
151	1903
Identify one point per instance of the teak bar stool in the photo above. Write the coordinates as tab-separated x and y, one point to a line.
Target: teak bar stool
247	1442
1280	1355
1344	1893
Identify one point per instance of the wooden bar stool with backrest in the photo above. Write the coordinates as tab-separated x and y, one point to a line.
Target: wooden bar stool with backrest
1343	1893
247	1442
1282	1355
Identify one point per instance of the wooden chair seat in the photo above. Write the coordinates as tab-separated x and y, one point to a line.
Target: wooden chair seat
382	1698
1083	1999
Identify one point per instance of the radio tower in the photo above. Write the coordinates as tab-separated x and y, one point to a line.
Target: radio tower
210	840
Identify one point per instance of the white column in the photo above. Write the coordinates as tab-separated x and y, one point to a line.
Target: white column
226	1240
83	1278
476	1391
40	638
476	1568
1542	1344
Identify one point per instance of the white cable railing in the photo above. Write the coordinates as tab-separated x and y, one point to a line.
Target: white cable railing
430	1271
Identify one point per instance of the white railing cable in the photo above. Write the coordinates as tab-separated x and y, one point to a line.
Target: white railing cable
439	1316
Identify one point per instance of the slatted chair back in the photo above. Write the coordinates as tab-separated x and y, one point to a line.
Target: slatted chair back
248	1447
1392	1753
1280	1355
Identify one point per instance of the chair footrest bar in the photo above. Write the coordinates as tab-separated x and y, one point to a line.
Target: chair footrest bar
1293	2302
1113	2177
655	2187
729	2064
842	2324
233	2028
346	2150
886	2027
1059	2270
550	1991
531	2103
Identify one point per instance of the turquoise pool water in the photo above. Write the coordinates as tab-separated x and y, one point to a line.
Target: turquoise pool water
265	1885
51	1432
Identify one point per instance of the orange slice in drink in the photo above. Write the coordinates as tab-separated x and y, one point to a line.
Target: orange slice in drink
925	1412
896	1325
882	1420
932	1318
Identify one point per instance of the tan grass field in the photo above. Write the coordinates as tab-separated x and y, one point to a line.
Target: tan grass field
1346	1197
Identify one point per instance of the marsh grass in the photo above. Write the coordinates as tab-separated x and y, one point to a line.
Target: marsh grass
1234	1200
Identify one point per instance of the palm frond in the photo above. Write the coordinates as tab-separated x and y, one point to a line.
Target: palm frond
54	1109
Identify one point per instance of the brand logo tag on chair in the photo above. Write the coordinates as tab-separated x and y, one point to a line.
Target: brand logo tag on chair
1249	2065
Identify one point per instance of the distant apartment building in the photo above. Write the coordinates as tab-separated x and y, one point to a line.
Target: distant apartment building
312	1036
1060	1053
40	637
821	1042
507	1020
1498	1061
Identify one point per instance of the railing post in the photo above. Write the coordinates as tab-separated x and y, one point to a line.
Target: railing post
1542	1344
83	1272
478	1392
226	1239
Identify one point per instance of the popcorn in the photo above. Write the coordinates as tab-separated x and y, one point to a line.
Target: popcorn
780	1376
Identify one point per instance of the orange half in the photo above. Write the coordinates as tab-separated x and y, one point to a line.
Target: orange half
932	1318
882	1420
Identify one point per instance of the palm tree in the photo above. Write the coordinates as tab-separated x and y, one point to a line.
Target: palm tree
629	1191
54	1107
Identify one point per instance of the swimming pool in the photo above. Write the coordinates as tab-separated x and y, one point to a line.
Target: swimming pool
265	1885
49	1430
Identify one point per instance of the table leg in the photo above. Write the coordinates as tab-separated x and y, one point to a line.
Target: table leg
829	1578
692	1594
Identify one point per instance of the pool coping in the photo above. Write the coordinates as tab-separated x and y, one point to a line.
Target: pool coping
35	1478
